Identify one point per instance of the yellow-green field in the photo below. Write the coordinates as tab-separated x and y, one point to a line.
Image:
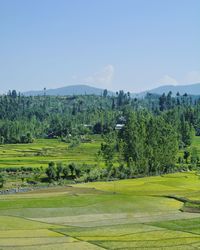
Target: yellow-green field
126	214
42	151
145	213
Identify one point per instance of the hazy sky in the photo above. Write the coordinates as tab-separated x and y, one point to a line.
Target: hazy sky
115	44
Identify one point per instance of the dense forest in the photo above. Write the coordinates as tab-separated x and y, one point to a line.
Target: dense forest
142	135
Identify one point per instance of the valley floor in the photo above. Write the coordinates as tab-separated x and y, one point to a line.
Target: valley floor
126	214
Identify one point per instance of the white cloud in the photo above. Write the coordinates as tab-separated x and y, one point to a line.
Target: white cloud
166	79
189	77
103	77
193	76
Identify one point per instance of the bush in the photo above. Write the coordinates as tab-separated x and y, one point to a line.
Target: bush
51	172
2	180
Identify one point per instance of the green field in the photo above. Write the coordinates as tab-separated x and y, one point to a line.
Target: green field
42	151
144	213
126	214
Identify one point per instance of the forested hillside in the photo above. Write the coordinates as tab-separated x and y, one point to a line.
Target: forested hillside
140	136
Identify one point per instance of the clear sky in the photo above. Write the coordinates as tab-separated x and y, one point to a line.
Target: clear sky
116	44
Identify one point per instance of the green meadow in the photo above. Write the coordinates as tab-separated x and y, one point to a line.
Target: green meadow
158	212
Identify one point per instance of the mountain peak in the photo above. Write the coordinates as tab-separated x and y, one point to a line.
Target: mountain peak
79	89
191	89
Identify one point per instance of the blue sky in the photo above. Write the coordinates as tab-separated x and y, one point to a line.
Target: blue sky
116	44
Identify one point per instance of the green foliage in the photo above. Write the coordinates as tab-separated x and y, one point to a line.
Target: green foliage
145	142
186	133
108	149
26	138
51	172
24	118
59	170
186	155
150	144
2	180
66	172
74	142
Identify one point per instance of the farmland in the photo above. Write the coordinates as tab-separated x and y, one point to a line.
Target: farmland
126	214
142	213
42	151
99	125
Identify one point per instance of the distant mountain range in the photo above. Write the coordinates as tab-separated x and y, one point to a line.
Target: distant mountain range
192	89
69	90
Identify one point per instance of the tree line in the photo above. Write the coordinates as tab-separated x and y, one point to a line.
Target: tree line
24	118
153	129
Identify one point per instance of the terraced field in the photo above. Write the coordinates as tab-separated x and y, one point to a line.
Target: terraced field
127	214
143	213
42	151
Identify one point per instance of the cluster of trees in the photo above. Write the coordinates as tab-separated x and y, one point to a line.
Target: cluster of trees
57	171
147	144
24	118
155	127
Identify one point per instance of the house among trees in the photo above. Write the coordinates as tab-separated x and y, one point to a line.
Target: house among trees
119	126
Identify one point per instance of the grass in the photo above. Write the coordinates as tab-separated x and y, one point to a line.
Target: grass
42	151
36	233
77	245
138	215
125	214
189	225
13	223
13	242
173	184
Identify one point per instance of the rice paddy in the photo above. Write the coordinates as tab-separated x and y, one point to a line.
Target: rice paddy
127	214
42	151
124	214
